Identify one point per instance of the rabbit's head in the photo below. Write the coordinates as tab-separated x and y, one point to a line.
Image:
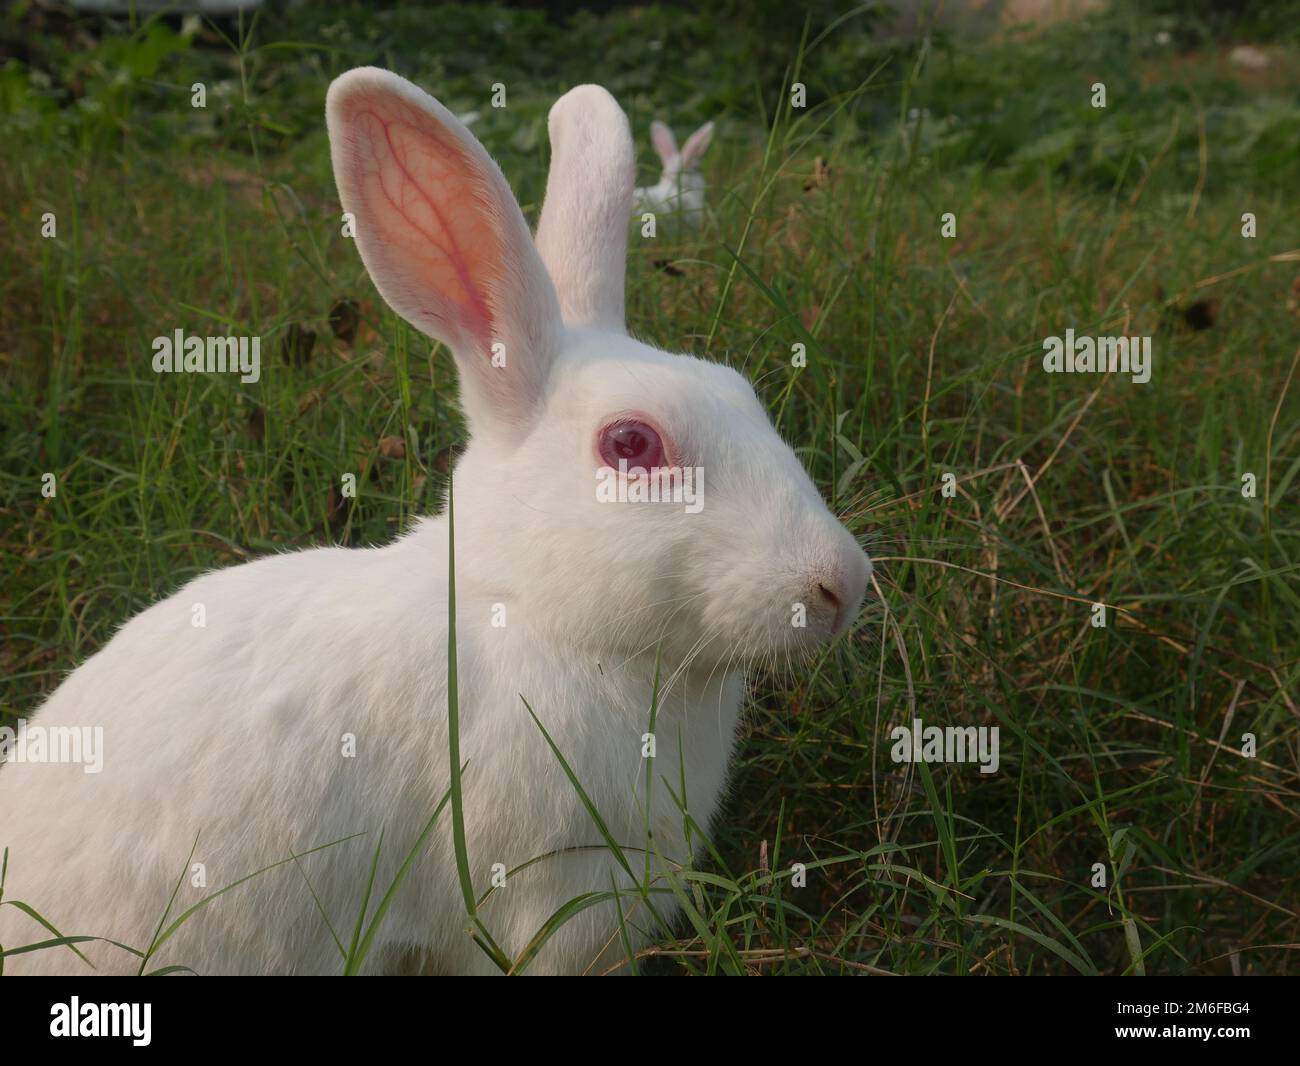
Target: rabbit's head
687	161
742	562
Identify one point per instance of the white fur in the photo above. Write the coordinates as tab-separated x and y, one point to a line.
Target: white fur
679	192
233	732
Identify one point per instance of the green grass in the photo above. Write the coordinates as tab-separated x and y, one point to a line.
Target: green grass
1120	745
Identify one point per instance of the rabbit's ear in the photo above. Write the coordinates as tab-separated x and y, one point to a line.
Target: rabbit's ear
664	141
444	241
582	234
697	144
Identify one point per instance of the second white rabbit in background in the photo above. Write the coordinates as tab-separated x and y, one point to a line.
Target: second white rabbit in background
680	191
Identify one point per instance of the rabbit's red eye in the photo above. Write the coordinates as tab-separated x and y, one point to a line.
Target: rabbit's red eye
633	443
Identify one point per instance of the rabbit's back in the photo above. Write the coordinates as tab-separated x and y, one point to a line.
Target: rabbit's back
227	712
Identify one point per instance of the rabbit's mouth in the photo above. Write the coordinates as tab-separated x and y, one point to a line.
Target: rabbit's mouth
790	632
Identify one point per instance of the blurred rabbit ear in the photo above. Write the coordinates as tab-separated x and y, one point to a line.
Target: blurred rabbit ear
582	234
697	144
444	241
664	141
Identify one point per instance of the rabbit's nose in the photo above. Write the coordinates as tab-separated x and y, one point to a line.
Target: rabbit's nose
825	598
837	590
831	599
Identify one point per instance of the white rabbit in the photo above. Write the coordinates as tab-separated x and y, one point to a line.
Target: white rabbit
237	732
680	192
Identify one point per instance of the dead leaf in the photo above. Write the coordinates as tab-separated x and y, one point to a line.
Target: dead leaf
1202	314
345	317
257	424
310	400
821	175
296	345
446	457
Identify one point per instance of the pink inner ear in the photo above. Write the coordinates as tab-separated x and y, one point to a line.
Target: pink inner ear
697	143
664	143
418	193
